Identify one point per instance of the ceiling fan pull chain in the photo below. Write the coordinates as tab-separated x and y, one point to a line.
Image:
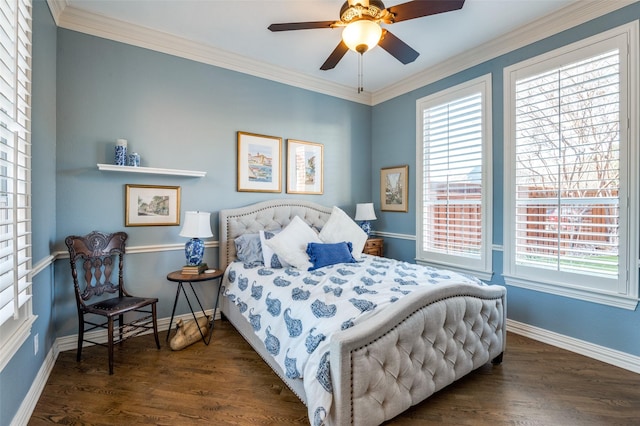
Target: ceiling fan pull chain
360	79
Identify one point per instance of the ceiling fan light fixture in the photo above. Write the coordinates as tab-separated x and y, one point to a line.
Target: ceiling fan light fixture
361	35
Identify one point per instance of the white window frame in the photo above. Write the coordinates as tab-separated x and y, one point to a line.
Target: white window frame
482	267
17	328
577	286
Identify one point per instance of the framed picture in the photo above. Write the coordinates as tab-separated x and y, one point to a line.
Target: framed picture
394	183
259	167
304	167
151	205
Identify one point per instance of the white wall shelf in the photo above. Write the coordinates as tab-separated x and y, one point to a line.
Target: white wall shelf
150	170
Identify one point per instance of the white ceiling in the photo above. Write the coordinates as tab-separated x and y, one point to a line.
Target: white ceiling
238	29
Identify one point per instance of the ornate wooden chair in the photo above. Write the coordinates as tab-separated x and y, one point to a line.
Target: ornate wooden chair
94	256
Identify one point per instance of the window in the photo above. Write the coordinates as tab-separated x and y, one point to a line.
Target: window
454	178
15	176
573	170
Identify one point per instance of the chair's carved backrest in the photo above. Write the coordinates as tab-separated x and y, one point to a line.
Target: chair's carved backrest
96	254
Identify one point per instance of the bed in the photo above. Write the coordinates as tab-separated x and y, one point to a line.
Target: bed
382	363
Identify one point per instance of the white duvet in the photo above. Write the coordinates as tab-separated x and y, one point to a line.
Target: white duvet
294	312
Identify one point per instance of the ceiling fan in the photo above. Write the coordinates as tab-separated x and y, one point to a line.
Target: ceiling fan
361	20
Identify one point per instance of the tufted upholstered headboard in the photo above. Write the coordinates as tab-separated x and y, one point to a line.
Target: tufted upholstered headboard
267	215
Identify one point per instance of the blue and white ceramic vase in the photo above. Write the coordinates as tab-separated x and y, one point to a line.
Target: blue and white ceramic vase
121	152
134	159
194	250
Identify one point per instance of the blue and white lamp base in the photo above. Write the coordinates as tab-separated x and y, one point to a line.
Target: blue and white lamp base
194	251
366	227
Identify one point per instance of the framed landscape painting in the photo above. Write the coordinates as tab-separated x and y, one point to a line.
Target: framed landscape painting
259	167
304	167
394	182
151	205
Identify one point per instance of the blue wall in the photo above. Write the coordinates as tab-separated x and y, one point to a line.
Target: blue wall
394	143
179	114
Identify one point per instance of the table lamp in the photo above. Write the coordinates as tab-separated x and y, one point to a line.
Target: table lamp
365	214
196	225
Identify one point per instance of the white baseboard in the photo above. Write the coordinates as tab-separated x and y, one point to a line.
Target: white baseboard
31	399
67	343
591	350
609	356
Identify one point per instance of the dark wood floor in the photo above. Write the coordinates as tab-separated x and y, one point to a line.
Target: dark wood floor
227	383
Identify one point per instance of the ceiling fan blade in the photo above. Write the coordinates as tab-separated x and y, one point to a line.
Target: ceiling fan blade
420	8
301	25
335	56
397	48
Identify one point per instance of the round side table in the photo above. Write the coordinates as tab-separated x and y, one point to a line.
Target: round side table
182	279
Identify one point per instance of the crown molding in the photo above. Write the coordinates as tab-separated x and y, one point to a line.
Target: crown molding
575	14
56	7
563	19
75	19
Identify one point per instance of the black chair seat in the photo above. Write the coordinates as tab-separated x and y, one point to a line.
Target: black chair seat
117	305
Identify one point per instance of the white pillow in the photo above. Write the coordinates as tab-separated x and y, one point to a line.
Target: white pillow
340	227
291	243
271	259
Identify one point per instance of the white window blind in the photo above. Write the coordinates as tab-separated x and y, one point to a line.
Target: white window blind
571	188
15	175
454	191
568	167
452	182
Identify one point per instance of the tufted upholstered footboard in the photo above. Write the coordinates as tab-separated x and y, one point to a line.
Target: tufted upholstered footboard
397	358
418	347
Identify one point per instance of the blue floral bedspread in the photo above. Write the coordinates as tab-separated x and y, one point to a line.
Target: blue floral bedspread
294	312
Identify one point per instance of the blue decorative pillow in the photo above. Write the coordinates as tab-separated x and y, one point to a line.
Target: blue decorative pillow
249	249
329	254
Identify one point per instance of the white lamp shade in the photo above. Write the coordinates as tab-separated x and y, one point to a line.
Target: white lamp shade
365	211
361	35
196	225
